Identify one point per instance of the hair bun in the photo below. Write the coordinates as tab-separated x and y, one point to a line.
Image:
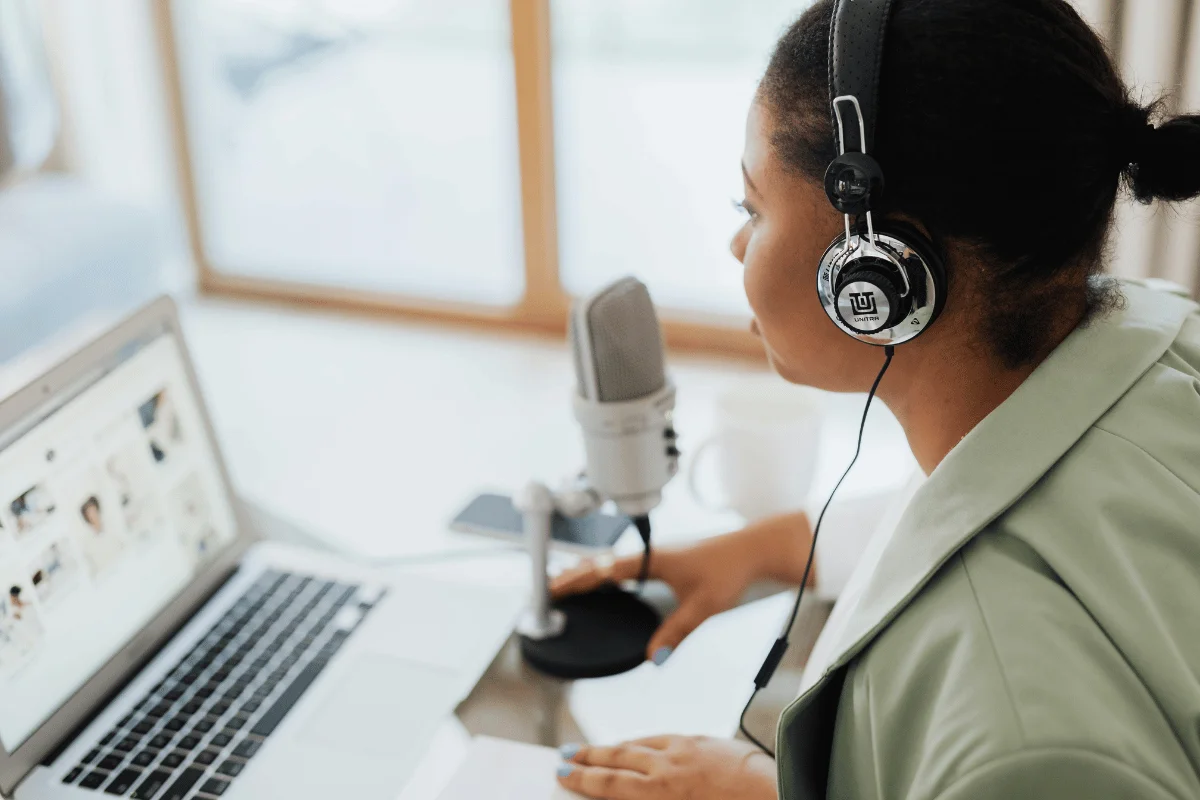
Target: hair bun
1163	163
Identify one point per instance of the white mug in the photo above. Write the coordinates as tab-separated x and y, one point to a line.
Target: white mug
766	438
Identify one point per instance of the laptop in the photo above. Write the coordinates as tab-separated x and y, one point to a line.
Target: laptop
153	647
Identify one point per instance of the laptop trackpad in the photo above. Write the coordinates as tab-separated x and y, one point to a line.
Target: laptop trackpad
363	737
378	705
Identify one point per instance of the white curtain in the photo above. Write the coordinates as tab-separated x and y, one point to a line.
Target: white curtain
1157	43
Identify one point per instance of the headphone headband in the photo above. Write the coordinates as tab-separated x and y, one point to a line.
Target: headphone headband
855	57
882	285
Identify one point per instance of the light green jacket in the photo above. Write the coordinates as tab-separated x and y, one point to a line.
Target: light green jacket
1033	629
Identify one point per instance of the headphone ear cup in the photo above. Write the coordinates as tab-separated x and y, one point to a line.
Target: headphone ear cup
929	253
825	282
911	262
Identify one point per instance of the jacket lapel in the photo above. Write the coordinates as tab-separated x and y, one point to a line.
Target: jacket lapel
1007	453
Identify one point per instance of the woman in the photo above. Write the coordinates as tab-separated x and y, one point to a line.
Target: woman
1029	627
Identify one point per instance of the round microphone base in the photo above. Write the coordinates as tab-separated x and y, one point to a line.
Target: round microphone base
607	632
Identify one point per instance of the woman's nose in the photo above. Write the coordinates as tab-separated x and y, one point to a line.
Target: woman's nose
737	245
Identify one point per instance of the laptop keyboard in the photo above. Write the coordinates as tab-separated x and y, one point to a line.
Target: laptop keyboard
195	732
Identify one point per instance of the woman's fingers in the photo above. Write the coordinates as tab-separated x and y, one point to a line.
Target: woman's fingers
594	573
604	783
675	629
655	742
633	757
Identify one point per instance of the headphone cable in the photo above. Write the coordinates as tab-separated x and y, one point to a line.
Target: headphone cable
642	523
771	663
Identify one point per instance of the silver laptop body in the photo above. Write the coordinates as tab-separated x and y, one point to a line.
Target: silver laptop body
152	646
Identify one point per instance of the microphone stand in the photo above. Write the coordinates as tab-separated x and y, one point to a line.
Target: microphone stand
592	635
540	621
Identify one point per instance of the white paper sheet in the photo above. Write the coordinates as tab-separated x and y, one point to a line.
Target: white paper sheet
497	769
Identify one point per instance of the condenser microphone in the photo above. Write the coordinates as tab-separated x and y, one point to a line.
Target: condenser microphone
624	402
623	397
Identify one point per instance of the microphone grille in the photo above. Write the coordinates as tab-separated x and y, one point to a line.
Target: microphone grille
616	337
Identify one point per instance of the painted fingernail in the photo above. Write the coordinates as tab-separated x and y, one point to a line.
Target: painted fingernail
661	655
569	751
565	770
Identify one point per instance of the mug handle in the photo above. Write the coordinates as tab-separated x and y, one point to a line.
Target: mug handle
707	446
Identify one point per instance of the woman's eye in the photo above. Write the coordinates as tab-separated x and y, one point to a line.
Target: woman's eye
746	208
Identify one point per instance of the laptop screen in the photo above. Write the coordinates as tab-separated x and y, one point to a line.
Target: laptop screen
111	499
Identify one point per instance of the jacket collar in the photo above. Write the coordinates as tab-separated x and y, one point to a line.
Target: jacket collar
1084	377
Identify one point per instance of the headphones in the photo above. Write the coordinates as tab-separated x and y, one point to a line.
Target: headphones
886	284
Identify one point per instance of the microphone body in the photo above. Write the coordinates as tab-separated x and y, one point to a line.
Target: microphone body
624	404
623	400
629	448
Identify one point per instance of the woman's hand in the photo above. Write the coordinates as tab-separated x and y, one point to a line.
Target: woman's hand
708	577
670	768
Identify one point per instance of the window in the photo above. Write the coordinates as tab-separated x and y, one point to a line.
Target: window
650	100
355	144
402	156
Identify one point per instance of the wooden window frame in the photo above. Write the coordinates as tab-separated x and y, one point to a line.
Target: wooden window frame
544	306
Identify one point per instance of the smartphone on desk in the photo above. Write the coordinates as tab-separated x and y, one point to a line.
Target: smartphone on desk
494	515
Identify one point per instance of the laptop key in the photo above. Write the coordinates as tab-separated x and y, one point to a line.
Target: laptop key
150	787
108	737
143	726
72	775
269	721
221	739
183	784
110	762
231	768
203	726
206	757
94	780
160	741
247	748
127	744
189	742
90	757
144	758
123	782
215	787
173	760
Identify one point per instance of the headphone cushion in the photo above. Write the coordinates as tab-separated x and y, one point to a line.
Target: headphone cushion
928	253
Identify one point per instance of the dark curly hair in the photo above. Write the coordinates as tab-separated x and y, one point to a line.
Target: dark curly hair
1004	127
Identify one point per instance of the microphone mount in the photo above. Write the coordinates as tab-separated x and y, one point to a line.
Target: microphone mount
600	633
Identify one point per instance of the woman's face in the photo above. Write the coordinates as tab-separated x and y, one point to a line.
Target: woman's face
790	225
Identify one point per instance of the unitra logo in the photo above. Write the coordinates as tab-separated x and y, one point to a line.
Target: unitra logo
864	307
